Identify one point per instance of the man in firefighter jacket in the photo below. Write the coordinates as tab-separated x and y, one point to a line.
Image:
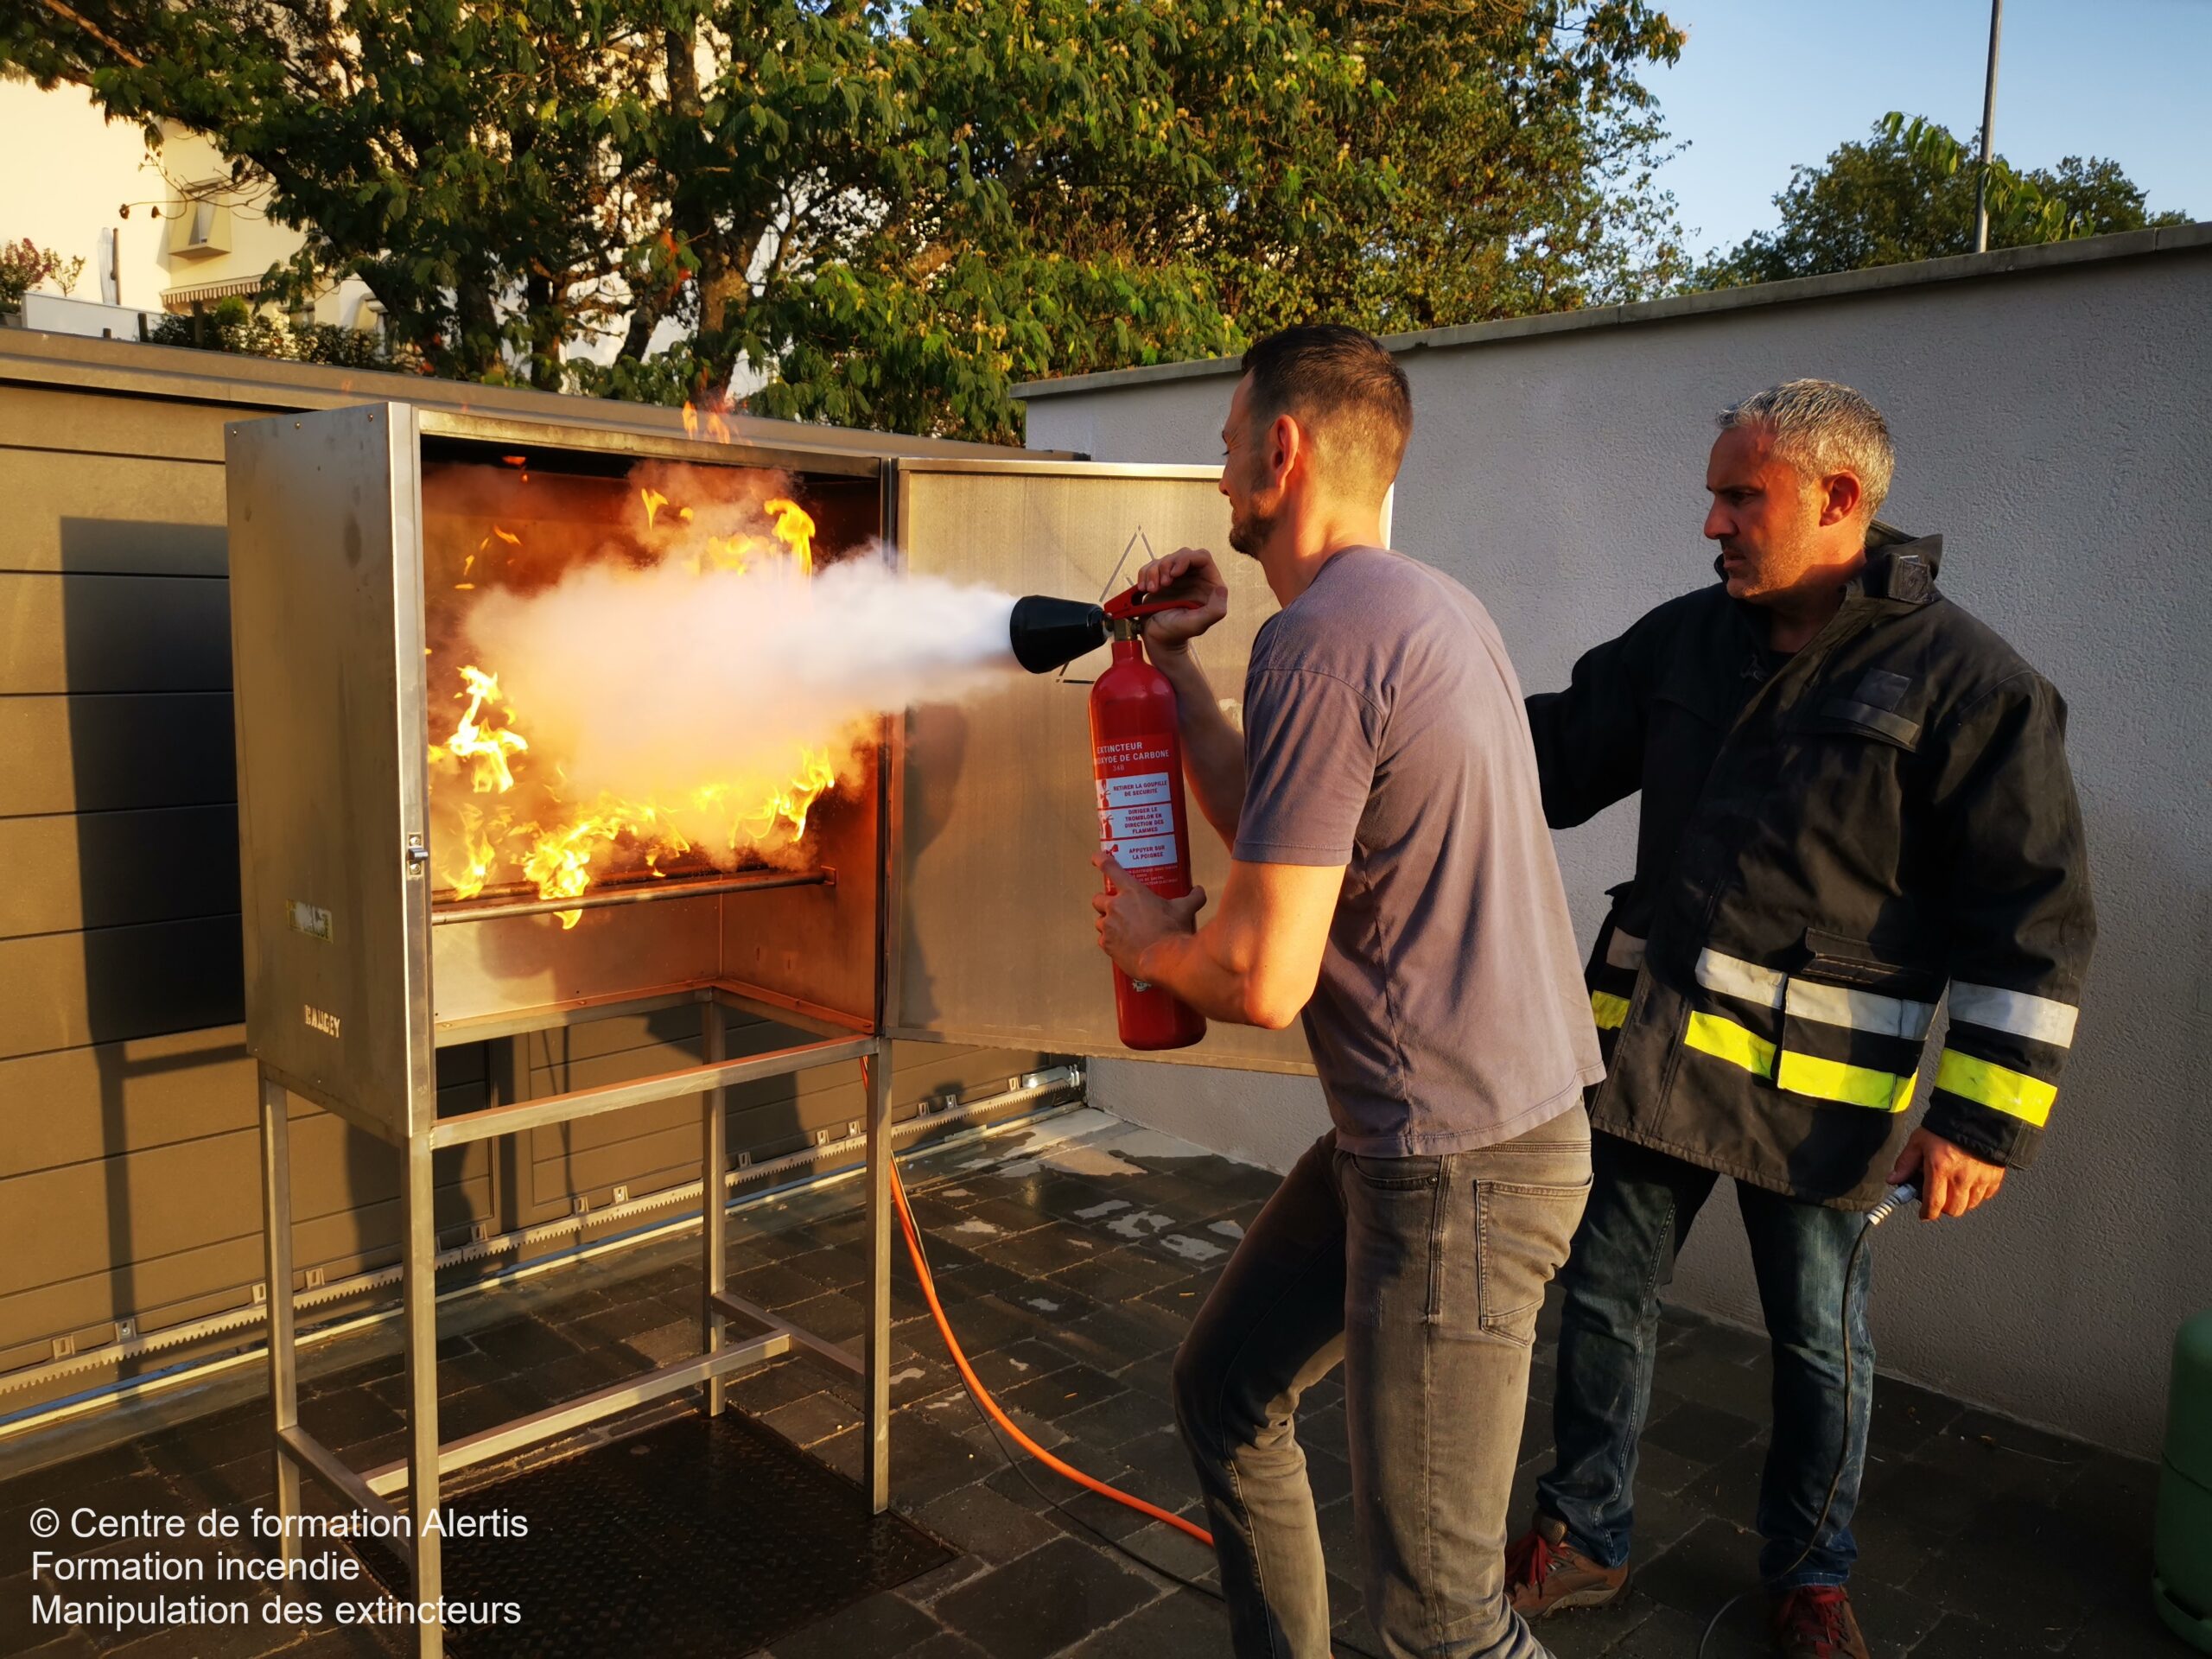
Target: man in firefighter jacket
1855	796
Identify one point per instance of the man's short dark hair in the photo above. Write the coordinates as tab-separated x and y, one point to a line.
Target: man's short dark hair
1343	388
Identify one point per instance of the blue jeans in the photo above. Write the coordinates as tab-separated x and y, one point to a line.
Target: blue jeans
1424	1276
1642	1204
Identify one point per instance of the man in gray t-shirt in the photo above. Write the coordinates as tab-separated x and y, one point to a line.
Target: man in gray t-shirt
1384	736
1392	884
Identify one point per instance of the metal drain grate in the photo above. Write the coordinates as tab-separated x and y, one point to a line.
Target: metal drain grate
703	1535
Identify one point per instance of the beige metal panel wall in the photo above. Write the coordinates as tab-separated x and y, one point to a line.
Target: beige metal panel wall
68	755
129	1184
167	1228
2051	407
246	386
94	426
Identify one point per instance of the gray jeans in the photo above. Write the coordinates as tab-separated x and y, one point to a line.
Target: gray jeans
1424	1276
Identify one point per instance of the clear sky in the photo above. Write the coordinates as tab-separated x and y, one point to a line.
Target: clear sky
1767	84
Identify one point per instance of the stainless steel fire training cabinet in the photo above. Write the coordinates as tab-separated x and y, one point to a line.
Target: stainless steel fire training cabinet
941	897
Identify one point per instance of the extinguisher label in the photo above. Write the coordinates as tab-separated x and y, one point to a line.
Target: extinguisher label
1135	823
1135	856
1136	815
1140	789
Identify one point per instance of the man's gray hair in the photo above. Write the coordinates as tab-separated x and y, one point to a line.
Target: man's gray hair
1821	428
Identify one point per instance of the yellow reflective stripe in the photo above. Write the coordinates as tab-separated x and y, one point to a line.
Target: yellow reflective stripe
1999	1088
1725	1039
1733	976
1801	1074
1853	1010
1610	1010
1853	1086
2040	1017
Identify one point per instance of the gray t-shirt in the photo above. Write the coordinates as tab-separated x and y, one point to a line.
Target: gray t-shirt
1383	731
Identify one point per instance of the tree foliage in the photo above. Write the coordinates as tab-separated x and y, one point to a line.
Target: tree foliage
234	326
896	209
1907	192
1524	150
24	265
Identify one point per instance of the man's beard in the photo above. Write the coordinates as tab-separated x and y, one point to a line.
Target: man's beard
1249	532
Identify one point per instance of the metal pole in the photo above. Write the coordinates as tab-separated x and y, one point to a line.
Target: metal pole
1988	132
284	1349
713	1165
420	1296
876	1443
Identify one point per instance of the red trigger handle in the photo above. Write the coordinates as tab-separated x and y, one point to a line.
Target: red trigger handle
1127	605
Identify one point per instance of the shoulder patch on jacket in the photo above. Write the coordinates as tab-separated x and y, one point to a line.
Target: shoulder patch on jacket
1882	690
1911	579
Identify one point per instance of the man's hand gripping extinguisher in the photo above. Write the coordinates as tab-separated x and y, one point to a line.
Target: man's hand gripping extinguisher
1136	757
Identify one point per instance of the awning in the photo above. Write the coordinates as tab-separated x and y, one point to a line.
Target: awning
180	301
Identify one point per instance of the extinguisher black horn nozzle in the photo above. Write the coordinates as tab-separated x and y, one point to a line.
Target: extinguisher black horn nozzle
1048	633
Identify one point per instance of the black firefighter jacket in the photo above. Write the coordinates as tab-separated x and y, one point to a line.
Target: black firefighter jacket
1828	842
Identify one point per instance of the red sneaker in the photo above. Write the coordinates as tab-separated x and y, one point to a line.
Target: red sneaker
1814	1621
1545	1575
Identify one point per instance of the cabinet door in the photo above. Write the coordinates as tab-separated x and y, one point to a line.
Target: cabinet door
995	815
326	663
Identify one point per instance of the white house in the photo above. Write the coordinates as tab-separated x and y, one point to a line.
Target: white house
159	228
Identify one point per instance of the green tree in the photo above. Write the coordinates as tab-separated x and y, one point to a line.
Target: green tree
1149	180
1071	181
2098	197
1524	149
498	175
898	208
1907	192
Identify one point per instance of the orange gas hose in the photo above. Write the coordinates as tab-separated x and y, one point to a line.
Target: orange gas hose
982	1395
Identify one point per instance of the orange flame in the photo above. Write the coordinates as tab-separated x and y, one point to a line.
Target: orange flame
731	553
717	427
479	852
796	531
569	843
486	751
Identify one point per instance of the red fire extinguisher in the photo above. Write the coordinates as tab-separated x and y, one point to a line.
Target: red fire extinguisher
1137	759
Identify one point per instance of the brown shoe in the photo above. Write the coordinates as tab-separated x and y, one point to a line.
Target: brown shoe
1814	1621
1545	1575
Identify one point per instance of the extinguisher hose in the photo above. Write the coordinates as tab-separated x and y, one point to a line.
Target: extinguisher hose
989	1410
983	1396
992	1414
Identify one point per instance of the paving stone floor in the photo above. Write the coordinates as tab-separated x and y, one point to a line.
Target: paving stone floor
1071	1254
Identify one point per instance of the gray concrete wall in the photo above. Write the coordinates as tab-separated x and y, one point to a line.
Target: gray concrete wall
2052	421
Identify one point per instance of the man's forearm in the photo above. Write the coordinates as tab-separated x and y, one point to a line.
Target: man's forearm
1213	750
1255	963
1184	963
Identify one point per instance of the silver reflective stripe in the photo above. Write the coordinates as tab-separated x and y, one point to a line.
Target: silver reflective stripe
1624	950
2015	1011
1732	976
1837	1005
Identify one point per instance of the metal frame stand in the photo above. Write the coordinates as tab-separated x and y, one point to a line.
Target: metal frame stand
417	1475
